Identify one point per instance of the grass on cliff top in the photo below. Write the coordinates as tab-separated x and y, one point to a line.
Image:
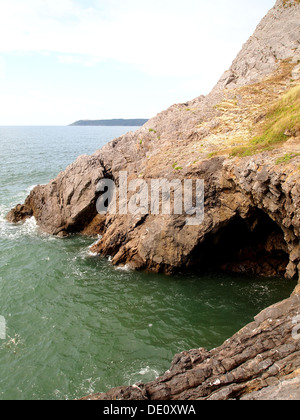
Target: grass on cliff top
282	121
286	158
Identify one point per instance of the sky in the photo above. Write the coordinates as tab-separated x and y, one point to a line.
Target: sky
67	60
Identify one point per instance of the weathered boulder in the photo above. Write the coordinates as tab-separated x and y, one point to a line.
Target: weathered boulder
19	213
68	203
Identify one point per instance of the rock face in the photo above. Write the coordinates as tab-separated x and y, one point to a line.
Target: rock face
176	144
68	202
272	41
252	200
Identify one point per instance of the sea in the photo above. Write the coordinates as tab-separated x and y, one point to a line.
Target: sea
75	324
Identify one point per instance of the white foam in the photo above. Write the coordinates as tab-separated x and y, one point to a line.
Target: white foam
147	370
29	189
127	268
15	231
146	374
87	251
92	254
3	211
96	242
29	227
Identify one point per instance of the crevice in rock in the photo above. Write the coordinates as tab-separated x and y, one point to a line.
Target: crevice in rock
84	218
89	221
254	246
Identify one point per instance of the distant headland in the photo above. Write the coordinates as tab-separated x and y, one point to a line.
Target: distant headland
114	122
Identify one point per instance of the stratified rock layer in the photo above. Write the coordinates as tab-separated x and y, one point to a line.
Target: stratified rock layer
252	208
177	144
264	355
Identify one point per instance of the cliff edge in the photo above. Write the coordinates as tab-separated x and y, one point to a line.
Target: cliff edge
243	140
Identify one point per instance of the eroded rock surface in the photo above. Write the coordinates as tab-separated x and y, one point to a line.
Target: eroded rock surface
68	203
271	42
178	143
252	208
264	355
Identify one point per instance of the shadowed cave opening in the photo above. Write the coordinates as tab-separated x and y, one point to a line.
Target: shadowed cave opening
253	246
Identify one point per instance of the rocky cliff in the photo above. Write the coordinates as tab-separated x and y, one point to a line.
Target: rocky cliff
243	140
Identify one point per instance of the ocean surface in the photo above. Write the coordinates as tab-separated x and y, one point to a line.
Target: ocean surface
74	323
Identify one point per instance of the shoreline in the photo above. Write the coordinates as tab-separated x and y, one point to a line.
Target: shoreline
243	140
254	364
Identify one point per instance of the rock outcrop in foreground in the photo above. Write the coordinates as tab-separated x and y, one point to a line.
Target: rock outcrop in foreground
243	140
263	355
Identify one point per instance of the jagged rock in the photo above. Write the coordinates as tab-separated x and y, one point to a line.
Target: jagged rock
264	355
234	189
284	390
276	38
19	213
68	203
252	209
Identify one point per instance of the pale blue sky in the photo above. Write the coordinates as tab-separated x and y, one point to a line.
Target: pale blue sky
64	60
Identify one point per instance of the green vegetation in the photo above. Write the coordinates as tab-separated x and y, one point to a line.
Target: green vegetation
282	121
289	3
286	158
176	167
151	130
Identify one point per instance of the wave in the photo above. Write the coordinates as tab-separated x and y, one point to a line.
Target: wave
86	251
91	253
14	231
29	189
127	268
146	374
3	211
147	370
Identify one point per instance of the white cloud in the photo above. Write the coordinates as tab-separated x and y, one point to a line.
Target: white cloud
32	106
190	42
2	68
82	60
159	37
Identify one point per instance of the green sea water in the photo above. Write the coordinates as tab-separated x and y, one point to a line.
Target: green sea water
74	323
